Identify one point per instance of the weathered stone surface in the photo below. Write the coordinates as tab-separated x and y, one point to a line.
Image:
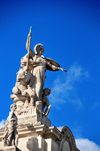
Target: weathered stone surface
10	134
42	138
33	117
28	89
66	139
34	128
10	148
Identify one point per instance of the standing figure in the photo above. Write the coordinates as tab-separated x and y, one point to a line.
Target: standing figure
11	135
38	65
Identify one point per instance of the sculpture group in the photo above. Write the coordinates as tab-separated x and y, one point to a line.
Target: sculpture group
29	91
31	77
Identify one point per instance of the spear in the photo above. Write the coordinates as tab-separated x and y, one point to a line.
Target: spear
29	43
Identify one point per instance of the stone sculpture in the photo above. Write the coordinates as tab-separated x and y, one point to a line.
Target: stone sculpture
11	135
23	85
31	107
29	93
38	66
45	101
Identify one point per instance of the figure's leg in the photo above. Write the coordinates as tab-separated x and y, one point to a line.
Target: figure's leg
48	106
38	92
16	137
13	140
40	80
47	110
5	138
9	139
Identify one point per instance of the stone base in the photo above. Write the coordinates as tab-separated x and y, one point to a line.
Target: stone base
10	148
33	121
42	138
32	118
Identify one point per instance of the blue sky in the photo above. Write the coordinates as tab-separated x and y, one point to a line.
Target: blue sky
70	33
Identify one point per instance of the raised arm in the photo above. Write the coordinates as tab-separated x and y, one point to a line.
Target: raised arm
28	43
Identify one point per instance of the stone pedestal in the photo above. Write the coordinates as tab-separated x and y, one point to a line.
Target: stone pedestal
42	138
29	115
32	116
10	148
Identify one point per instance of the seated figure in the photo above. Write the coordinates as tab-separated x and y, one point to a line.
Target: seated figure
45	101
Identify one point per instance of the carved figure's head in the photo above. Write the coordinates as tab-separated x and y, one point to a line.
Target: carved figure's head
46	91
20	75
13	107
23	75
39	49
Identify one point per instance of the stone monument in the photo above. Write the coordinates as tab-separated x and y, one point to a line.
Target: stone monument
28	123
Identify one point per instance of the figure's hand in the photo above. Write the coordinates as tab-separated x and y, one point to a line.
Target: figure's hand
29	35
63	69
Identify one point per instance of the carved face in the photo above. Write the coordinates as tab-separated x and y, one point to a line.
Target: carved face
20	75
39	49
13	107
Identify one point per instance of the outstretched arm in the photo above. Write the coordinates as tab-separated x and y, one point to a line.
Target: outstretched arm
55	68
61	69
58	68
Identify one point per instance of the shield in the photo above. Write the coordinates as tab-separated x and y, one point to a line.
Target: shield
53	63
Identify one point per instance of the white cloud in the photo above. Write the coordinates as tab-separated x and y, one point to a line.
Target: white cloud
86	145
2	123
64	87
